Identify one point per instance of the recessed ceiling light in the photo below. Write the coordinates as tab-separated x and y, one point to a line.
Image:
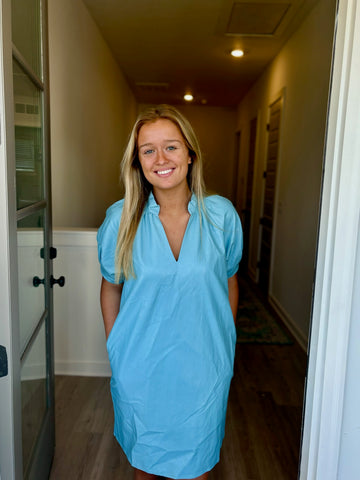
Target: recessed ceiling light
237	53
188	97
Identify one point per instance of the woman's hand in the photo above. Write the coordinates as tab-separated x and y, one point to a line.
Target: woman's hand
110	296
233	287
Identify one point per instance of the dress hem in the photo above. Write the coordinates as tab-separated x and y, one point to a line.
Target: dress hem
161	473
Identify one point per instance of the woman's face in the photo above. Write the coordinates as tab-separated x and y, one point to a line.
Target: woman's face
163	155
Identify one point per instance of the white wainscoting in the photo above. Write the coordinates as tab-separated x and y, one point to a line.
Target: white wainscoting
80	347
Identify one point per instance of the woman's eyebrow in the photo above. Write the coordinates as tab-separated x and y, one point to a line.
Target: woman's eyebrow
145	145
165	141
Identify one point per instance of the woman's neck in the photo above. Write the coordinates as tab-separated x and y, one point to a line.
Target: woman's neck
171	202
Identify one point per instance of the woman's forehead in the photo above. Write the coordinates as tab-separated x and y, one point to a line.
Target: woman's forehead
160	129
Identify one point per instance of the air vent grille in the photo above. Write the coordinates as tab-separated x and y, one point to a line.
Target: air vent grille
152	87
256	18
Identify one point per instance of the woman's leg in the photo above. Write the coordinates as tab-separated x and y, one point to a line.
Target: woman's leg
140	475
204	476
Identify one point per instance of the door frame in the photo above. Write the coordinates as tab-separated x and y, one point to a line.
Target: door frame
10	393
236	172
279	96
336	257
255	230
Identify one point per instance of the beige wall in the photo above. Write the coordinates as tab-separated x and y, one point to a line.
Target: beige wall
92	111
301	71
214	128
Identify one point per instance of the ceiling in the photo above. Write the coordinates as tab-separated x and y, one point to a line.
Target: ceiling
167	48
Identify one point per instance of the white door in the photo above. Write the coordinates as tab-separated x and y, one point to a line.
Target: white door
26	328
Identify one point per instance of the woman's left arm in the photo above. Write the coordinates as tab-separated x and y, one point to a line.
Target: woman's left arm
233	294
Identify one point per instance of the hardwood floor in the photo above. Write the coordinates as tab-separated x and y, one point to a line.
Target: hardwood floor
263	428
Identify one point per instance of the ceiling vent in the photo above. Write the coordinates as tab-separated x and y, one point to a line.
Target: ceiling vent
256	18
152	87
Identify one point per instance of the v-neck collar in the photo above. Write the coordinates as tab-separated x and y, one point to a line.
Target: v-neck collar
153	207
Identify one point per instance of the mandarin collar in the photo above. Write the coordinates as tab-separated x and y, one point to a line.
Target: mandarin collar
154	208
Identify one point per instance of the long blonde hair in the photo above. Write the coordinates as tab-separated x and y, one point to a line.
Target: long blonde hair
137	188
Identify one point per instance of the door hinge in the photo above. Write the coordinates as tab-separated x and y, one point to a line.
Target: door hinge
53	253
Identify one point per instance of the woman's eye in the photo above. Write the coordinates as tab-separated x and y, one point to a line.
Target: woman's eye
171	147
148	151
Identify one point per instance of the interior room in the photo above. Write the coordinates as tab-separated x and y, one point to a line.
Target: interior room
269	89
92	109
97	87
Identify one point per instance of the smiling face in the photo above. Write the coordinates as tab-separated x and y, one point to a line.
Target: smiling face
163	156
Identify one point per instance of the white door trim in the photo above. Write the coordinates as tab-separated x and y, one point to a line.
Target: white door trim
334	280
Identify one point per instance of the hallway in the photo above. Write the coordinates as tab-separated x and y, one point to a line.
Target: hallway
263	428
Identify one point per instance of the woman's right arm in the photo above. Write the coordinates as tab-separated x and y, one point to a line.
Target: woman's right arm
110	296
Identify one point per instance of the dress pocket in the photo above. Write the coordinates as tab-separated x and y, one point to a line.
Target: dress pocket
111	334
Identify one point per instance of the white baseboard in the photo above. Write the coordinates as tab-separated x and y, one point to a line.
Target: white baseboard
290	324
83	369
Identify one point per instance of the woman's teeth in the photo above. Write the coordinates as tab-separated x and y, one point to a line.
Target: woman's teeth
164	172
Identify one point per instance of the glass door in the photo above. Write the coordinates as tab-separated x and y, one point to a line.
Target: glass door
27	153
33	235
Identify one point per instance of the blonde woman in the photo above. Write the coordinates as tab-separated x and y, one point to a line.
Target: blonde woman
169	257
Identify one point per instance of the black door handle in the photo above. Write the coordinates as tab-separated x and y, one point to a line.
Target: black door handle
60	281
37	281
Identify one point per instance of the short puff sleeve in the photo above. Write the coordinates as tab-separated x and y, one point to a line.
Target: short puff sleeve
106	239
233	237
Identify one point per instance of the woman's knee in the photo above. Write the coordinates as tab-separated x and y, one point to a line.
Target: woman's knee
204	476
140	475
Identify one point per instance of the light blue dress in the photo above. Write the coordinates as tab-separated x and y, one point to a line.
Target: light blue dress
172	346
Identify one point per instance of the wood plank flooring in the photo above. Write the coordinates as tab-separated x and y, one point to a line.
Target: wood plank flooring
263	428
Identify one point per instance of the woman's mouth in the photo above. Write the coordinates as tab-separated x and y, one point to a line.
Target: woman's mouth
163	173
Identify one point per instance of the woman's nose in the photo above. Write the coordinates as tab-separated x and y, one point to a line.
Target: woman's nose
161	157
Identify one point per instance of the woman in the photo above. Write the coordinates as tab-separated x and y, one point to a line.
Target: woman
169	257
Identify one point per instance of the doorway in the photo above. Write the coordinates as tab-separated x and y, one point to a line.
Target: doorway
349	6
263	114
269	175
